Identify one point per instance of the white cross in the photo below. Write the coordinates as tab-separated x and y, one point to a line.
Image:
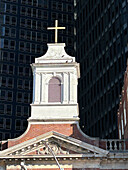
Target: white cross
56	28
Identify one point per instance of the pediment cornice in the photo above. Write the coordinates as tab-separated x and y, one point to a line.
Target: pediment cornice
60	144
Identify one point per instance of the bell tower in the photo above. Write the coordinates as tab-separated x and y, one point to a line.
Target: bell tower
55	79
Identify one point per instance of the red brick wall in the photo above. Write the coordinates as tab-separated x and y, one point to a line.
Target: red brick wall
40	129
66	129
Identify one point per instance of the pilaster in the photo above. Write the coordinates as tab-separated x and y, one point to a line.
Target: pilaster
37	88
43	90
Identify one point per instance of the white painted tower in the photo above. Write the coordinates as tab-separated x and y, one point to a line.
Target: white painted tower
55	86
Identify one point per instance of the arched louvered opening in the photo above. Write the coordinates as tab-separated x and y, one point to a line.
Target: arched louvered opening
54	90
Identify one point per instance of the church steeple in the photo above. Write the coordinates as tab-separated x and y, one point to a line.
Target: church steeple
55	79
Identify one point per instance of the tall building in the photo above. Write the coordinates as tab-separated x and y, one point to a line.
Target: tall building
23	36
123	109
101	43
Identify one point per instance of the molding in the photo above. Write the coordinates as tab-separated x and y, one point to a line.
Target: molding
55	104
56	44
50	156
73	64
59	138
54	121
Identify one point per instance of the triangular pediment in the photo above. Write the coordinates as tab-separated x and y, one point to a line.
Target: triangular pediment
54	142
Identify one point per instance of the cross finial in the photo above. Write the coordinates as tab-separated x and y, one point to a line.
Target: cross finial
56	28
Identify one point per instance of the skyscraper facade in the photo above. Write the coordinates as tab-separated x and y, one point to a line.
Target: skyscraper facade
23	36
101	43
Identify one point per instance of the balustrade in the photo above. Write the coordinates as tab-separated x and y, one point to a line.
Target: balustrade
116	145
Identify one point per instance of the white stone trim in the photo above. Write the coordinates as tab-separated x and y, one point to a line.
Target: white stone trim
42	88
37	88
73	161
34	86
32	122
57	136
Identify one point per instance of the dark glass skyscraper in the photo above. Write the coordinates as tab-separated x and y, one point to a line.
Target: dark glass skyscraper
23	36
101	45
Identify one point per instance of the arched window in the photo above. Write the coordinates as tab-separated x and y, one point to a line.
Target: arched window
54	90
